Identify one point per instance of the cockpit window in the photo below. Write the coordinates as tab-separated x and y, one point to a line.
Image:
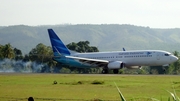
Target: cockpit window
166	54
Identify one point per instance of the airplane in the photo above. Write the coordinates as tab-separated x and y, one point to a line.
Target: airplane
108	60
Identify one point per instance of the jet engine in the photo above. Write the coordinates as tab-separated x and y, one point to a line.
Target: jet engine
115	65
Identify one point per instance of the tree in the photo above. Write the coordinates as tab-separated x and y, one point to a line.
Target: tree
42	54
18	54
1	55
82	46
7	51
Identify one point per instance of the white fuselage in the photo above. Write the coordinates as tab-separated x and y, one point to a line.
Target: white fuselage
133	58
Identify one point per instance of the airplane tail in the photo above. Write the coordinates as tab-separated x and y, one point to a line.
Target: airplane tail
57	45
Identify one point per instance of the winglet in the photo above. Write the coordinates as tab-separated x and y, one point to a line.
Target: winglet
124	49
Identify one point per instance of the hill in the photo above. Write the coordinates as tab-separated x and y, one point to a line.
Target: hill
109	37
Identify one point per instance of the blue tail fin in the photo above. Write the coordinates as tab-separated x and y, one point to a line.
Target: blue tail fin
57	45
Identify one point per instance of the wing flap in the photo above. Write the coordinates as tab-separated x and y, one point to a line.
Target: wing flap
97	62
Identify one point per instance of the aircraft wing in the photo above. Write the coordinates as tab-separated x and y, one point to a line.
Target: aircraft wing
96	62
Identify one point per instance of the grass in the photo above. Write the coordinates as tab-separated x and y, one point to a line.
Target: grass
76	87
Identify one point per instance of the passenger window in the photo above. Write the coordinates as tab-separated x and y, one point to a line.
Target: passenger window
166	54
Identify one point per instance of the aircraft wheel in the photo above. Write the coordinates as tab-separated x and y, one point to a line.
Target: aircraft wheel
115	71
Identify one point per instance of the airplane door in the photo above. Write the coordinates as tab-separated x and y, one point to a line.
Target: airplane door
158	56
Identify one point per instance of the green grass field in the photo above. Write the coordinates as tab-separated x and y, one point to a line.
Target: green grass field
83	87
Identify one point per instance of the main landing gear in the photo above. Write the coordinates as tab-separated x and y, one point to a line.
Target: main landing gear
106	71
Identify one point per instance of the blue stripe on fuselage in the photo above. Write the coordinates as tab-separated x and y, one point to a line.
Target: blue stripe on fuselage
71	62
57	44
60	47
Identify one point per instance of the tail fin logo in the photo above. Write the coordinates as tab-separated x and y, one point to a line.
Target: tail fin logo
57	45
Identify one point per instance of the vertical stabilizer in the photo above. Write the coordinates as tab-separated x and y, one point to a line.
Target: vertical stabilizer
57	45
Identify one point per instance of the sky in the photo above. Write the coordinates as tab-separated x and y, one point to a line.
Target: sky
146	13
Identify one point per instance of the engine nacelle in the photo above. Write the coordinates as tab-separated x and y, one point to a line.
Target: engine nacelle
134	67
115	65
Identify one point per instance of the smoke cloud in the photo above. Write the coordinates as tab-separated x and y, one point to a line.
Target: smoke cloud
10	66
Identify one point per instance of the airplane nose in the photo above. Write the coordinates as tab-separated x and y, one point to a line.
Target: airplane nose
174	58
